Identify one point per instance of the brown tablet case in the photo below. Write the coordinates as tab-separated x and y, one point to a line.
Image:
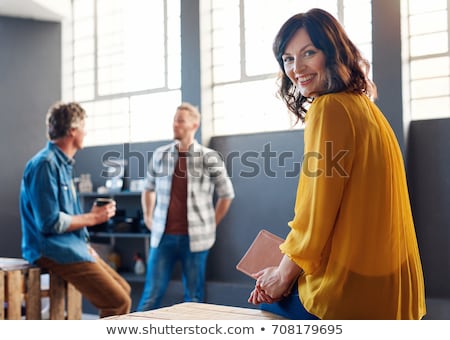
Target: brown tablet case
263	252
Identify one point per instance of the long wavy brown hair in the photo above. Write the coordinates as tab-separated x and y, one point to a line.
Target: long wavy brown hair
347	70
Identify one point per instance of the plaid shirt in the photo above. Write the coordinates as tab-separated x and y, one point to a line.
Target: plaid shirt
206	174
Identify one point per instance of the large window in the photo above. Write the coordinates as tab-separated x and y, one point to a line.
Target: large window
243	69
426	58
122	62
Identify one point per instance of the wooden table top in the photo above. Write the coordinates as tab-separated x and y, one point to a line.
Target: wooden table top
198	311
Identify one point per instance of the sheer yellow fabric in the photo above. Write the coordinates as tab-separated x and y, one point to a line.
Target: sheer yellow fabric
353	232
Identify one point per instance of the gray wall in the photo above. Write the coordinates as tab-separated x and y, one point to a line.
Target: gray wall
264	169
428	160
30	61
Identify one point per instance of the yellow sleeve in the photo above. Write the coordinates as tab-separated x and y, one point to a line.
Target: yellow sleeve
327	163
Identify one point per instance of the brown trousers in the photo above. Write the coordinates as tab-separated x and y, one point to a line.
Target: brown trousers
97	282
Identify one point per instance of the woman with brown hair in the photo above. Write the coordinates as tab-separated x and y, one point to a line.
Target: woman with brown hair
352	251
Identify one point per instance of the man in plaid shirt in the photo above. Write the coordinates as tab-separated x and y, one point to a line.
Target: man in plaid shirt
178	208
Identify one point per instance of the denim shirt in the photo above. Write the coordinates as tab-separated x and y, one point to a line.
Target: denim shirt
47	202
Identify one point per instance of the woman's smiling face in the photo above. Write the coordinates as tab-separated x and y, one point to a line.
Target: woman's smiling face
304	64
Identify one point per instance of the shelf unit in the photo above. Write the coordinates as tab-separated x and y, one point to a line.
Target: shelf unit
114	236
109	194
127	243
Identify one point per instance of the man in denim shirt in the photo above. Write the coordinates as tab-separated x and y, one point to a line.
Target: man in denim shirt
178	209
54	230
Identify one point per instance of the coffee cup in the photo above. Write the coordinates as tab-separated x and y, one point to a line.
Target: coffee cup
101	201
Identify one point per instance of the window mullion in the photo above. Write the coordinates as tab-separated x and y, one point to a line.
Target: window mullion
96	87
242	38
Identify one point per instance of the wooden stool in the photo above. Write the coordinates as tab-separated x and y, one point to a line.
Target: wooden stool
20	285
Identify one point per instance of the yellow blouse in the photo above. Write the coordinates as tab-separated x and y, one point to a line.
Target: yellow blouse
353	232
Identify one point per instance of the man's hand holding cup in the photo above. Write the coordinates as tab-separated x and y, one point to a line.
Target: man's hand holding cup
104	208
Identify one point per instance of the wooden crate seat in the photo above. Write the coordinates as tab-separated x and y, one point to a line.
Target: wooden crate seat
21	293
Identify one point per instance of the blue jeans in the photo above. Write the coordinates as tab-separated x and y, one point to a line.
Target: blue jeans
160	264
289	307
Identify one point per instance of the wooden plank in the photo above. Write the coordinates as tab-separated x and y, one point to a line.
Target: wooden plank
199	311
33	294
14	286
135	316
212	311
74	303
2	295
57	297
